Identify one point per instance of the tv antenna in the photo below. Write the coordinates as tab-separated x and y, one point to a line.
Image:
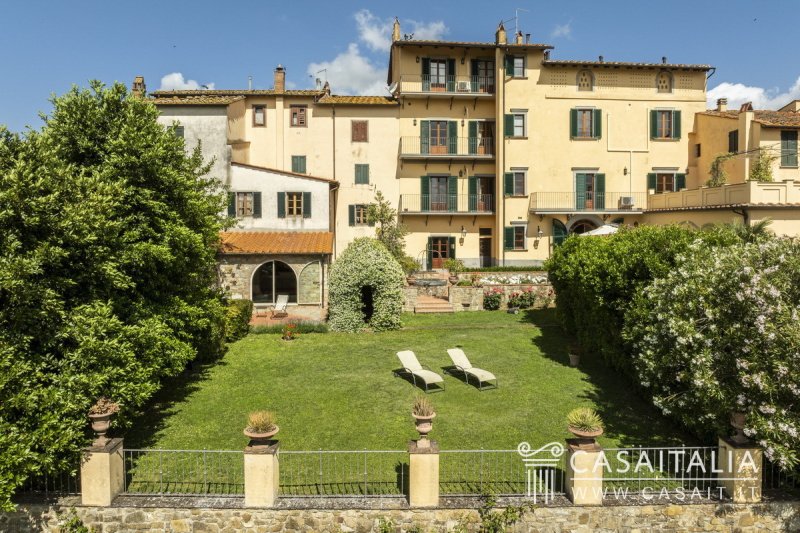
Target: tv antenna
317	80
516	19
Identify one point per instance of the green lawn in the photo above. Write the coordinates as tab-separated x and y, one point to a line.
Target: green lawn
336	391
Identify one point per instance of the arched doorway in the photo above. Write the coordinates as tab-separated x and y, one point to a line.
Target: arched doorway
272	279
582	226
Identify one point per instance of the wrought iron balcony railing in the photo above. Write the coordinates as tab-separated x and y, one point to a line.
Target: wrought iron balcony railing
445	204
444	147
448	85
560	202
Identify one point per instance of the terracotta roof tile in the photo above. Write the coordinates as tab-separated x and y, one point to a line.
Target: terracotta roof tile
577	62
195	100
468	44
358	100
237	92
284	172
773	119
276	242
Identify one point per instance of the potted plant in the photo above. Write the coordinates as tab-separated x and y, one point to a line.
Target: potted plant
261	427
454	266
409	266
738	420
100	415
585	424
423	414
574	354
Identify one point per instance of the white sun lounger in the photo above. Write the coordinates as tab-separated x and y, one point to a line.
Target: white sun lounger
280	306
462	364
417	371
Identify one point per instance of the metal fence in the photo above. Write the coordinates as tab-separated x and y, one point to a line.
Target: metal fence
587	201
498	472
779	482
184	472
343	473
638	470
57	484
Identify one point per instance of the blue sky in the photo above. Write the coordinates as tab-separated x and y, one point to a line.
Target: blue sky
48	46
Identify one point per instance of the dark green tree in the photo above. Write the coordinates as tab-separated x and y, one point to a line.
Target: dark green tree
389	231
108	238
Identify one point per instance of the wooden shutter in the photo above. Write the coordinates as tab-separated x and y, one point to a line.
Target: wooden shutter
559	232
597	123
654	124
452	137
472	190
360	131
256	205
473	136
424	136
451	245
473	72
509	60
580	191
508	125
306	205
231	204
676	124
508	237
452	193
450	75
651	181
573	123
508	184
426	74
425	193
680	181
599	191
788	148
362	173
281	205
351	215
429	253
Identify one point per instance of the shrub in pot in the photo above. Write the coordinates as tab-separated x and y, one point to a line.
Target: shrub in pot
423	413
261	426
585	423
454	266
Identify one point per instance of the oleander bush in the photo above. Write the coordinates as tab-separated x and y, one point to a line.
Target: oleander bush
365	265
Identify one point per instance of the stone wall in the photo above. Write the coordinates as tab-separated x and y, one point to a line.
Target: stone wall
235	274
774	516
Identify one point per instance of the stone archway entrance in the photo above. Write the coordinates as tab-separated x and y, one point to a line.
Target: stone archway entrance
271	279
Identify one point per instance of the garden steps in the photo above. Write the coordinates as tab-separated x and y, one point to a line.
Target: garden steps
431	304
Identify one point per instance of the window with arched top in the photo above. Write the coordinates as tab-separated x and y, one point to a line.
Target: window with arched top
664	82
585	80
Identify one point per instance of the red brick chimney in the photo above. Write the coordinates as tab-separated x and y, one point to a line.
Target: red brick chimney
280	79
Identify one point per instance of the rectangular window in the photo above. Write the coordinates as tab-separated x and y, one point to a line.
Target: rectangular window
733	141
514	183
519	125
362	174
664	127
697	151
585	124
483	76
665	182
359	131
789	148
438	74
514	237
515	125
515	66
665	124
299	164
294	204
358	215
519	237
439	193
298	116
179	131
244	204
259	116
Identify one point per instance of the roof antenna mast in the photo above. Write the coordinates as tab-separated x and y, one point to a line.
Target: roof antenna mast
516	19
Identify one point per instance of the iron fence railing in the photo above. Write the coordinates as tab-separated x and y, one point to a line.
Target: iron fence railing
343	473
184	472
53	484
642	470
446	146
780	482
472	85
587	201
497	472
446	203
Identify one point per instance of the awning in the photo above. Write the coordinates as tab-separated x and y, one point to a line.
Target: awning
276	242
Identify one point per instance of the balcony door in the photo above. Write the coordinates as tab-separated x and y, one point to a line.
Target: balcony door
438	75
438	137
481	189
439	193
590	191
482	76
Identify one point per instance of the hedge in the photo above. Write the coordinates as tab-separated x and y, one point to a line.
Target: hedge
237	319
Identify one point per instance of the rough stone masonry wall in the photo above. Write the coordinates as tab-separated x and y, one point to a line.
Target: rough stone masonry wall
775	516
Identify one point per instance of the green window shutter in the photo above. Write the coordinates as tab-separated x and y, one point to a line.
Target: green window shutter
580	191
676	124
451	75
573	123
429	253
472	190
680	181
452	193
508	184
508	238
473	75
508	125
425	136
788	148
599	191
451	245
256	205
597	123
452	137
651	181
509	60
473	136
281	205
425	193
362	173
653	124
299	164
559	232
351	215
231	204
306	205
426	74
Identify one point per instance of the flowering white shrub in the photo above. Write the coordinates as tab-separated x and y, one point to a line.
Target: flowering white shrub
720	334
513	279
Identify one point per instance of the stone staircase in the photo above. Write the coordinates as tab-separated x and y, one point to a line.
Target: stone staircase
432	304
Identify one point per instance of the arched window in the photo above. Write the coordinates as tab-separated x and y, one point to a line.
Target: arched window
582	226
585	80
664	82
272	279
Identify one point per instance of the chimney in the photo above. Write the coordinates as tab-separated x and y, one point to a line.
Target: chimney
280	79
747	106
500	35
722	104
396	30
546	55
527	38
519	38
664	59
138	89
326	89
600	59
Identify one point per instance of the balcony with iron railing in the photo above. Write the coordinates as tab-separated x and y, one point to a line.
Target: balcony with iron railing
446	204
433	85
587	202
413	147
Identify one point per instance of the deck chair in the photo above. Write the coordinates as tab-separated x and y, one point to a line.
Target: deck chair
280	306
462	364
417	371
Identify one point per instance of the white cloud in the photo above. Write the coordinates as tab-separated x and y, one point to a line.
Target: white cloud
738	94
430	31
352	73
376	33
562	30
175	82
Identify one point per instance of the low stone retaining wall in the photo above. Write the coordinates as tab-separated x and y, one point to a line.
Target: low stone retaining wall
772	516
460	296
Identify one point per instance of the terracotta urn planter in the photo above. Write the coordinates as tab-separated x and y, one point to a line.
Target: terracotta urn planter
100	425
738	420
453	279
424	424
411	280
258	438
574	359
586	439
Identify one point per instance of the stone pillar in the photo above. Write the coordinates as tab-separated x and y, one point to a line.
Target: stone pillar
740	467
423	475
584	472
102	473
261	474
